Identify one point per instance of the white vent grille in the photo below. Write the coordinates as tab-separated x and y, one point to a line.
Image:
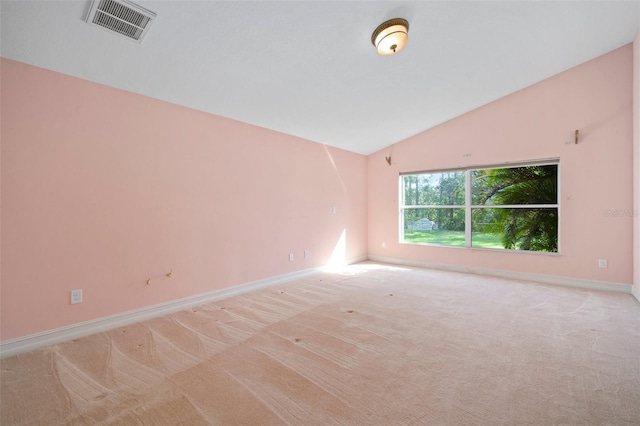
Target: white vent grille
122	17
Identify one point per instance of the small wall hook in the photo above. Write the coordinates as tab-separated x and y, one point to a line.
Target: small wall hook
577	135
388	160
170	272
149	281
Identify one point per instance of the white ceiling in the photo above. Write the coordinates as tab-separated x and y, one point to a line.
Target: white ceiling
307	68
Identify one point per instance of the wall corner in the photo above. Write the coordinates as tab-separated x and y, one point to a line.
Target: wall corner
636	165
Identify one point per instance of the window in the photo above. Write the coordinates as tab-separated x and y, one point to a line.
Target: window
513	208
434	208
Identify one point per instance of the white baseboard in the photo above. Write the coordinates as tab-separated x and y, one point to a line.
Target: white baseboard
336	266
357	260
636	293
75	331
526	276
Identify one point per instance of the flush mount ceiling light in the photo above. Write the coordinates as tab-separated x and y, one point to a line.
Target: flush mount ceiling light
391	36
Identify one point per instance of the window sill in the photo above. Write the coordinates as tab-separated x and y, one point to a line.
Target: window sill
542	253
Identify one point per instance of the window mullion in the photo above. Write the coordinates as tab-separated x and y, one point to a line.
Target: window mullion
467	208
402	200
435	206
515	206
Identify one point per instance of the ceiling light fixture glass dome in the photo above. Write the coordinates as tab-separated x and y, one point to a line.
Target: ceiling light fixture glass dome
391	36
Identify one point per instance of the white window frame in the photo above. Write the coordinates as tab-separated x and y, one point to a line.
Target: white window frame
469	207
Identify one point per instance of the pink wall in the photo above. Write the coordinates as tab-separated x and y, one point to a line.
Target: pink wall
102	189
636	164
534	123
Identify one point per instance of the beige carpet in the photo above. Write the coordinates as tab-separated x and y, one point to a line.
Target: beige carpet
377	345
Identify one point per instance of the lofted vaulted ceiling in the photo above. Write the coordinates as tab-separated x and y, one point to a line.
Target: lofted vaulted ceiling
307	68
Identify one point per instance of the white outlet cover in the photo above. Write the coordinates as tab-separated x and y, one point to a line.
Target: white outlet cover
76	296
602	263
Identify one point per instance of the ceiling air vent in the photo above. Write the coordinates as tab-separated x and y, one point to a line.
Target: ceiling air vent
122	17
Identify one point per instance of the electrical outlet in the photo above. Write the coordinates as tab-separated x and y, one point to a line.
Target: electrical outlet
306	254
76	296
290	257
384	244
333	209
602	263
